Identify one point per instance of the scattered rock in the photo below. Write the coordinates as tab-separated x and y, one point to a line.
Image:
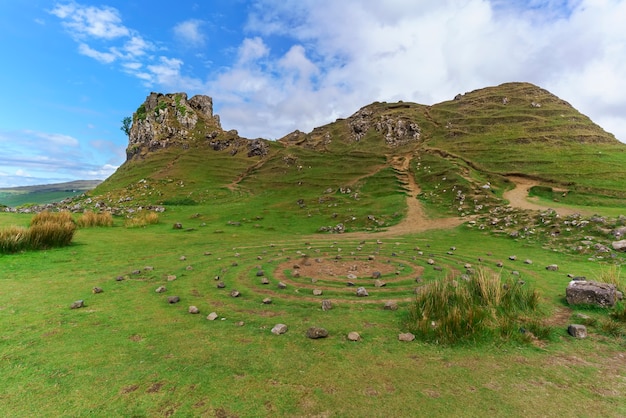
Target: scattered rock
221	285
391	306
552	267
577	331
161	289
177	225
351	276
379	283
265	280
282	285
267	301
431	261
279	329
173	299
528	261
354	336
182	258
317	292
327	305
512	257
97	290
591	293
361	292
189	268
376	275
619	245
77	304
407	336
316	332
119	278
260	273
171	277
212	316
235	293
194	310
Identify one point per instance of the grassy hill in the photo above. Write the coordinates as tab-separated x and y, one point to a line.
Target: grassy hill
45	193
395	199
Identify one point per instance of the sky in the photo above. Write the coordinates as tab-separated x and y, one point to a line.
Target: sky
72	70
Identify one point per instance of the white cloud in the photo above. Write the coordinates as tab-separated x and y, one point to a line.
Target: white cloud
252	49
90	21
103	57
190	32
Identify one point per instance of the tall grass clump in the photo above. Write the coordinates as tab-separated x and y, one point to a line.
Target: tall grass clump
143	219
93	219
453	311
613	275
13	239
48	230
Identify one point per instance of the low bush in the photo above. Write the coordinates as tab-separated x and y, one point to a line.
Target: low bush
92	219
143	219
13	239
50	234
452	311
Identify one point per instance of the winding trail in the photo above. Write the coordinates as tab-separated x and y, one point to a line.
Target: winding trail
518	197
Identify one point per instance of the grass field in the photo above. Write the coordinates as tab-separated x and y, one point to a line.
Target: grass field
129	352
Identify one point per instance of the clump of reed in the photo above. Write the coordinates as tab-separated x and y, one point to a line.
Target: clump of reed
142	219
93	219
452	311
46	230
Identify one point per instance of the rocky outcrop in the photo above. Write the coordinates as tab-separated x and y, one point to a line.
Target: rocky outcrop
166	120
396	130
591	293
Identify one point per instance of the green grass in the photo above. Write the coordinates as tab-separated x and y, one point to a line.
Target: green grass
129	352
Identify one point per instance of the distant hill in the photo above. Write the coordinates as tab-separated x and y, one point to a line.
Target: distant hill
458	157
45	193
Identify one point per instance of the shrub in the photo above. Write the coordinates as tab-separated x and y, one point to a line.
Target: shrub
91	219
13	239
50	234
612	274
143	219
47	216
451	311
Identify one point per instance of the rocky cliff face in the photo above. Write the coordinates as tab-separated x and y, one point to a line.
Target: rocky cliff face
166	120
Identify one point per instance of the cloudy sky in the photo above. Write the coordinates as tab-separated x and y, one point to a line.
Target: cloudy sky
73	69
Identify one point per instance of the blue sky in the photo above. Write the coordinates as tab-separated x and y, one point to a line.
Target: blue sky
73	69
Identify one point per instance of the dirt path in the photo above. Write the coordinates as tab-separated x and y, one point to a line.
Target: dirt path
518	197
415	220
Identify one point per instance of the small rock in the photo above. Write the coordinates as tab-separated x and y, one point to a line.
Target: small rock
361	292
119	278
194	310
212	316
316	332
160	289
500	264
376	275
221	285
189	268
265	280
379	283
317	292
552	267
97	290
351	276
78	304
391	306
235	293
240	323
136	272
260	273
431	261
350	284
407	336
177	225
282	285
171	277
354	336
577	331
528	261
267	301
173	299
279	329
327	305
182	258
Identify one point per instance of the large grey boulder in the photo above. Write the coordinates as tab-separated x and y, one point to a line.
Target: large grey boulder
591	293
619	245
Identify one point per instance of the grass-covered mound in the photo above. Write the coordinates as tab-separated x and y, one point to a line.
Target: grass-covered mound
476	307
